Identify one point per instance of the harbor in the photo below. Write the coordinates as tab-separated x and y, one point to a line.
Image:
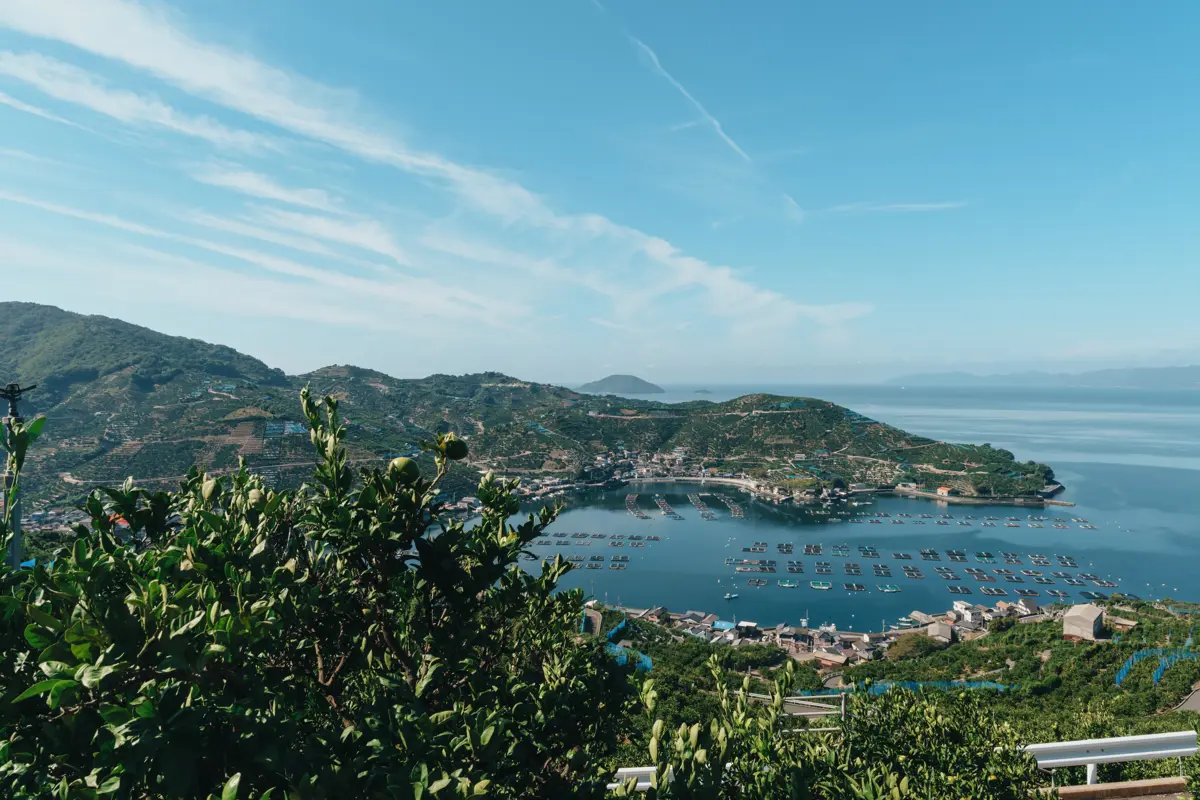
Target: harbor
862	558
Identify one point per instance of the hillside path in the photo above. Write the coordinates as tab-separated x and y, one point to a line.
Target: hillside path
1192	703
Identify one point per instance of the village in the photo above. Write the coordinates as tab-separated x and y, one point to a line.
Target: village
831	650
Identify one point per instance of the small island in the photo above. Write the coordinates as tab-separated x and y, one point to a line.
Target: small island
621	384
703	391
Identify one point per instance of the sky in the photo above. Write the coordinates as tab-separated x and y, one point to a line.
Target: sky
686	190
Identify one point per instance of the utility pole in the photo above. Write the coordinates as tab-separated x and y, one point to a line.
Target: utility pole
12	393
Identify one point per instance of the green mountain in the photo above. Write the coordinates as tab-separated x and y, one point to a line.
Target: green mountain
621	384
123	400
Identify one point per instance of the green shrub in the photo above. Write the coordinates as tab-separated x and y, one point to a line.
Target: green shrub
343	640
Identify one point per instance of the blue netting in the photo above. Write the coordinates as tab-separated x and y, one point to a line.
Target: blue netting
1170	661
623	654
1142	655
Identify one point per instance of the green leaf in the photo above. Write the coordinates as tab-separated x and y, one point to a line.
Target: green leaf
193	622
230	792
39	638
109	786
34	429
45	619
41	687
92	675
56	669
115	715
62	692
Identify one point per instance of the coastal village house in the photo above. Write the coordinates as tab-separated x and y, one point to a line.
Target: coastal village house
945	491
828	659
941	632
1119	623
1028	607
1083	623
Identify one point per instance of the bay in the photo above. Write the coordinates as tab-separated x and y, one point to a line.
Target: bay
1130	461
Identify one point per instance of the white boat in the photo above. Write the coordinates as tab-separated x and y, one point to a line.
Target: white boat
731	595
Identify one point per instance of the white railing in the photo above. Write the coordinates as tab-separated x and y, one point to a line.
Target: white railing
1051	756
1091	753
644	777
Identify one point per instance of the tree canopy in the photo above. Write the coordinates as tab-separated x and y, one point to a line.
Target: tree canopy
349	640
342	640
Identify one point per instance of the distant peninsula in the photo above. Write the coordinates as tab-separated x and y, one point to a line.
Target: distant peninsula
621	384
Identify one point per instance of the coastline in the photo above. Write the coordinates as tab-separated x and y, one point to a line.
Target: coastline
976	501
756	489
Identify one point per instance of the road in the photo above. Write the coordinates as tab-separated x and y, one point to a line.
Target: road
1192	703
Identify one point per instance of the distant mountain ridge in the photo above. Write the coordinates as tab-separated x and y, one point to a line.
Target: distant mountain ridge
621	384
123	400
1186	377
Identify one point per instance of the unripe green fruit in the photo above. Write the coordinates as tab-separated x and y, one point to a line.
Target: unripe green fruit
404	470
456	449
256	498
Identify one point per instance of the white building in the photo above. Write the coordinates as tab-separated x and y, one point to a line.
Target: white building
1027	607
1083	622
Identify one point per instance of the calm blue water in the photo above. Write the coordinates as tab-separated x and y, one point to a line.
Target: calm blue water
1130	461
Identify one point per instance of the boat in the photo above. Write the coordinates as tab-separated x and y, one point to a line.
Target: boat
731	595
821	585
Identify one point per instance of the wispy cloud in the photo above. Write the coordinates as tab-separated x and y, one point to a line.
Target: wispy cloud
70	84
135	273
870	208
418	295
244	229
13	102
145	38
264	187
471	249
361	233
792	208
607	323
712	121
9	152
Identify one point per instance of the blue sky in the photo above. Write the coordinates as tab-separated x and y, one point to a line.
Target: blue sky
559	189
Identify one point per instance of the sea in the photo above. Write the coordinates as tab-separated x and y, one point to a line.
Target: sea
1129	459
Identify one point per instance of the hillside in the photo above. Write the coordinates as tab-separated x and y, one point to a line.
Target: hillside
1187	377
621	384
124	400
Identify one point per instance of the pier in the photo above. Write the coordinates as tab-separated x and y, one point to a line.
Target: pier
632	507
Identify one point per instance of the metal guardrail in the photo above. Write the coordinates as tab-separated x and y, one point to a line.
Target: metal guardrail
644	775
1091	753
